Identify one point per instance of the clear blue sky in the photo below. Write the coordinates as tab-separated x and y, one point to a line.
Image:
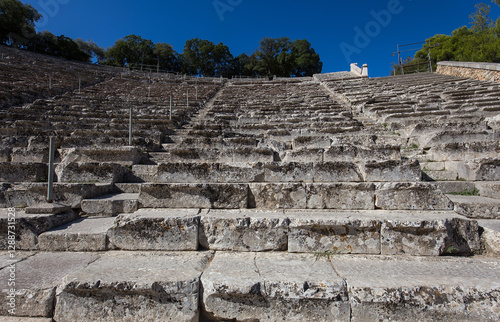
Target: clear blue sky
329	25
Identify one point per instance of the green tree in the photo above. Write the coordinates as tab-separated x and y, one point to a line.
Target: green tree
17	22
167	57
92	49
480	19
273	57
306	61
131	50
203	57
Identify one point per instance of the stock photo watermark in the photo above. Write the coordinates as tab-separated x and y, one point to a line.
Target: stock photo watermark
49	9
364	36
11	269
224	6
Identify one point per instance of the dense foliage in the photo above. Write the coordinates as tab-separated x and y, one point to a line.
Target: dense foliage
274	57
478	43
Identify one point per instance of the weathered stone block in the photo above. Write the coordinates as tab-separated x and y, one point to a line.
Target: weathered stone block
126	286
429	234
476	207
488	189
83	235
156	229
352	153
347	196
23	172
277	195
252	155
333	232
91	172
410	196
244	230
389	171
217	196
111	205
289	172
30	226
317	142
37	155
304	155
36	280
419	288
337	172
272	287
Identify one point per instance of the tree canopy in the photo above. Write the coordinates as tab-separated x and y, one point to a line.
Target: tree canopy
478	43
17	22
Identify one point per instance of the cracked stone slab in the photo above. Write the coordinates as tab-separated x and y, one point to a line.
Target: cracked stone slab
421	288
350	196
429	233
36	280
210	172
127	286
272	287
18	319
29	226
206	196
111	205
410	196
476	206
389	171
490	239
355	232
244	230
277	195
156	229
82	235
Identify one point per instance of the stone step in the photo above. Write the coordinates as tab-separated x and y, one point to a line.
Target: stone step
23	172
27	227
214	155
430	233
476	206
490	237
278	172
81	235
111	205
342	195
91	172
268	286
429	175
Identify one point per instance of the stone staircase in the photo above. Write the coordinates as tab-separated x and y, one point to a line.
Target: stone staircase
267	201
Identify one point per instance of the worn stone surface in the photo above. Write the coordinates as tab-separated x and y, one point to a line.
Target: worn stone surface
82	235
18	319
337	172
70	194
388	171
352	196
128	286
421	288
490	238
23	172
111	205
352	153
90	172
277	195
289	172
218	196
476	206
272	287
410	196
304	155
455	186
156	229
47	208
429	234
29	227
244	230
333	232
36	280
213	172
489	189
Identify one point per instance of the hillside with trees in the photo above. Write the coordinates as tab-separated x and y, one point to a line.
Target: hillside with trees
274	56
480	42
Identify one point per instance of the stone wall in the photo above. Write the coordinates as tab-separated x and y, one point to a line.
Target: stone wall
481	71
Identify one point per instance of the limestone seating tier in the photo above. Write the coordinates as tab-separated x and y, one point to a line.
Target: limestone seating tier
192	286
